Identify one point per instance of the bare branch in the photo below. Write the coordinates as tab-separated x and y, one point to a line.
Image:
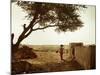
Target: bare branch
31	29
28	33
24	26
36	22
44	27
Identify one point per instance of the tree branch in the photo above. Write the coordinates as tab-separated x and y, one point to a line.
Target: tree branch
44	27
28	34
31	29
24	26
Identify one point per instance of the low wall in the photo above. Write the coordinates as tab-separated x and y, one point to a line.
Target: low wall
85	55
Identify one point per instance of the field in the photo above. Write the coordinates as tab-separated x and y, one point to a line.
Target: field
49	61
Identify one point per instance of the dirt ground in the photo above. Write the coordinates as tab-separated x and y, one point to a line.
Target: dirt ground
50	62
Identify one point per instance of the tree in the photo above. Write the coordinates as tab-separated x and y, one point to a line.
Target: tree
44	15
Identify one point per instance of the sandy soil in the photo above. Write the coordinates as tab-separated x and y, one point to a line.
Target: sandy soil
50	62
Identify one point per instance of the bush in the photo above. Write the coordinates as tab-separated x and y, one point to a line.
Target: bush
25	53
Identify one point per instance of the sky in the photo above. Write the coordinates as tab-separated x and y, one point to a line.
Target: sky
86	34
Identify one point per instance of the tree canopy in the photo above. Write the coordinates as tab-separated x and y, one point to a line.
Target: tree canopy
64	17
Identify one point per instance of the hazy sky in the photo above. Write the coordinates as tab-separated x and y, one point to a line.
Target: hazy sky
85	34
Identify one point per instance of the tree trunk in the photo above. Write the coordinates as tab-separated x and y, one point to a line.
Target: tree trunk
26	29
21	38
17	44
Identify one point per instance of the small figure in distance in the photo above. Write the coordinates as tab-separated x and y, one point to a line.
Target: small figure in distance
61	51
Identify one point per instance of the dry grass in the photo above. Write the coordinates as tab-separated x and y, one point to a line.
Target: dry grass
49	61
